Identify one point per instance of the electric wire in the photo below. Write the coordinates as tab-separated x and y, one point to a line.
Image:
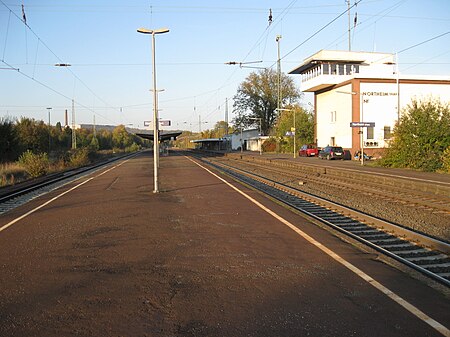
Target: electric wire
40	41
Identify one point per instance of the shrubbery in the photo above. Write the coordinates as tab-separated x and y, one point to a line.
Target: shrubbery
79	157
446	160
269	145
36	165
132	148
422	138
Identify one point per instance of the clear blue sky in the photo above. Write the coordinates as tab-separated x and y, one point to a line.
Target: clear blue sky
110	76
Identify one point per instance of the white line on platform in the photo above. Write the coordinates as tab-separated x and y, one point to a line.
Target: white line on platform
405	304
57	197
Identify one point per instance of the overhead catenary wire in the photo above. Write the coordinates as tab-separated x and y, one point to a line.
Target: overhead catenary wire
40	41
320	30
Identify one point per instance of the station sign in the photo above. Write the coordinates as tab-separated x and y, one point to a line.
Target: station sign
147	123
362	124
164	122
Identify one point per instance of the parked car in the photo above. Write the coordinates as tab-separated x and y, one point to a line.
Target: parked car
331	152
308	150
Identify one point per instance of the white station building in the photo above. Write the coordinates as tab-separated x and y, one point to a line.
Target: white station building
362	87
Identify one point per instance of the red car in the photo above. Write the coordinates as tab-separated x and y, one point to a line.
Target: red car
308	150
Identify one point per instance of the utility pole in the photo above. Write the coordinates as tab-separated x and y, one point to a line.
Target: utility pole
95	132
74	136
398	88
348	12
49	135
226	116
279	73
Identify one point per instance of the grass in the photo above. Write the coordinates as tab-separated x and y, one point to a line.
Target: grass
11	173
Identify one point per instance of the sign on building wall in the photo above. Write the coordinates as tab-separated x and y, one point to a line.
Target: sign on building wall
362	124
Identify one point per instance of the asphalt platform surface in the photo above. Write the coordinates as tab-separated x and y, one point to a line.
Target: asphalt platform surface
112	258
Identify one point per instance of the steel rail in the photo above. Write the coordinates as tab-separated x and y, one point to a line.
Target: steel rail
67	175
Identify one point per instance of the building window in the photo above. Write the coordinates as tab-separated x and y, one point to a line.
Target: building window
348	69
387	132
356	69
341	69
370	133
333	69
326	69
333	117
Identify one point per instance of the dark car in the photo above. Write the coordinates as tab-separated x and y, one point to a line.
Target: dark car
308	150
331	152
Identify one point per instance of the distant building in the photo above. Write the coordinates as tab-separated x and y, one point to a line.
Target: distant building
362	87
91	127
236	139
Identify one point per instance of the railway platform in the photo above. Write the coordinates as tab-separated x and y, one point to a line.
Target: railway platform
204	257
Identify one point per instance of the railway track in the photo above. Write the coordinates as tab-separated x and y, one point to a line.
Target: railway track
21	195
435	203
423	253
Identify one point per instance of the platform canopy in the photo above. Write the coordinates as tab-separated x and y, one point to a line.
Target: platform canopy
163	135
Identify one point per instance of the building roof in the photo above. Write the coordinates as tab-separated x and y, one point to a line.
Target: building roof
343	56
208	140
163	135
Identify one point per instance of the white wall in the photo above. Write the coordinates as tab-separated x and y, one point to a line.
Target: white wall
341	105
381	100
380	107
246	134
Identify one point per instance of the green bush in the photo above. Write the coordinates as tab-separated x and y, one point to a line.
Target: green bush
421	137
132	148
446	160
79	157
35	165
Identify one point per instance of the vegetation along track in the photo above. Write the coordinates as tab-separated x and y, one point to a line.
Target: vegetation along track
425	254
23	193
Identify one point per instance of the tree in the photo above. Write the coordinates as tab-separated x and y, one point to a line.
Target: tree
220	129
121	138
33	135
304	127
8	140
257	98
421	138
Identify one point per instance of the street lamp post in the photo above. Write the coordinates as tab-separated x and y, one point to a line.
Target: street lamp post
74	135
153	32
295	129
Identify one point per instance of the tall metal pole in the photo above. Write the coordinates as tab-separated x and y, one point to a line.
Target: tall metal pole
295	134
49	135
74	135
362	129
398	88
260	135
349	35
155	106
242	140
155	121
278	73
226	116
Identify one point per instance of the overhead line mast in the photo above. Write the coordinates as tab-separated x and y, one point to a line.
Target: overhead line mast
349	35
